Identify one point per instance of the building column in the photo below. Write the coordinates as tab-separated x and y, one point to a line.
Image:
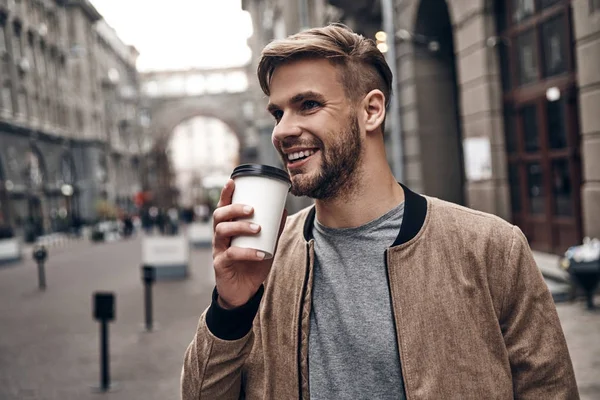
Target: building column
586	23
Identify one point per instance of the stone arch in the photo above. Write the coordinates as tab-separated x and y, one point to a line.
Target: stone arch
167	114
437	102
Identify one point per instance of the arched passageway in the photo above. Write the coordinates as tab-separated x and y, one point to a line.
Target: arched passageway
437	103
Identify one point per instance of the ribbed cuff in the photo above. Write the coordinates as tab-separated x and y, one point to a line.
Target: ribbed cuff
232	324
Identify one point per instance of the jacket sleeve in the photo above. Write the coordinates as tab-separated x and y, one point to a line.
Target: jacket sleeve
213	362
539	359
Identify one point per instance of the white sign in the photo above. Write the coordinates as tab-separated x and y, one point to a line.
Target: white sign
10	249
478	158
165	251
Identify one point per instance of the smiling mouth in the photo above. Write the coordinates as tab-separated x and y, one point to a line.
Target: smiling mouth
299	158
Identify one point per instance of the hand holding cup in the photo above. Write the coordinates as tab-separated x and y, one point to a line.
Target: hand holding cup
246	230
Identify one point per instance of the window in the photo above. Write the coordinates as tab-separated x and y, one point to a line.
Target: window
41	60
530	128
2	37
22	102
515	187
34	107
527	58
557	130
562	188
535	188
554	46
17	45
594	6
29	50
511	130
7	97
522	9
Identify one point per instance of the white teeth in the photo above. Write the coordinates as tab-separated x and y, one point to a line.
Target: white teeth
300	154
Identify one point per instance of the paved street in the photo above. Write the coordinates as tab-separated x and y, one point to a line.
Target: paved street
49	341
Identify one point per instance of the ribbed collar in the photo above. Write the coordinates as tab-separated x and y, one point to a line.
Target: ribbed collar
415	211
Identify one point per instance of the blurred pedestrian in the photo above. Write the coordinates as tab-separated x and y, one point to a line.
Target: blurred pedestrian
375	292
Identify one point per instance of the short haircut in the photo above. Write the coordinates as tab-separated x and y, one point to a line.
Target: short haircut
362	66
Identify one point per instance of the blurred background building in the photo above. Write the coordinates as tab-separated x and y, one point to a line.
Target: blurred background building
68	119
496	108
499	101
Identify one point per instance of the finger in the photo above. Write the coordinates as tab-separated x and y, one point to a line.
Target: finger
237	254
230	212
226	194
226	230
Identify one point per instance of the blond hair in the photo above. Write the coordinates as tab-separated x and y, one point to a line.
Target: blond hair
363	67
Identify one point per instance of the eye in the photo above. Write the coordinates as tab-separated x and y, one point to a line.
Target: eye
310	104
277	114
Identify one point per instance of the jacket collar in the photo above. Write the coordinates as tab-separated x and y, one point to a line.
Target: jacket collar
415	211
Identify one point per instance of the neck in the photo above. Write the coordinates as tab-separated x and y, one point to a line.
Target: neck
373	194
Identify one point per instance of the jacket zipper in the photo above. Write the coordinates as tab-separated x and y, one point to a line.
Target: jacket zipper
303	295
402	370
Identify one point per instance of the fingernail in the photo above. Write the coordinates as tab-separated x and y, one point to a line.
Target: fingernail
260	254
254	227
247	209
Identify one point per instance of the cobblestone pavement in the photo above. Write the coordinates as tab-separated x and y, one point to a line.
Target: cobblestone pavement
49	342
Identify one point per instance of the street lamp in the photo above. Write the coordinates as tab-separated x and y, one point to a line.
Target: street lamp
66	190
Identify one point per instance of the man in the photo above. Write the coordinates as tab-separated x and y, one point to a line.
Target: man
376	292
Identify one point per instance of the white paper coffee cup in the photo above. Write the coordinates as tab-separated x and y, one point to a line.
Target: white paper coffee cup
264	188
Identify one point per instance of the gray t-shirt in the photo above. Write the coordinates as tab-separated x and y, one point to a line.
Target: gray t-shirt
352	351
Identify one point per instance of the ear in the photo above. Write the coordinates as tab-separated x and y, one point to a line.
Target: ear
374	109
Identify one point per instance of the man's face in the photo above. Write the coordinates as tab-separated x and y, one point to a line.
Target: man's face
317	133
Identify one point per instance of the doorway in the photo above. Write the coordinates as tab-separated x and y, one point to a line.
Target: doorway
437	103
541	121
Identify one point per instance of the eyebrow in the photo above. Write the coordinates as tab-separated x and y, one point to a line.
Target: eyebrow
299	98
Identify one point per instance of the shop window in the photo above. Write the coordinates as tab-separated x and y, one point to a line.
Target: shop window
554	46
562	188
527	58
535	188
530	128
557	130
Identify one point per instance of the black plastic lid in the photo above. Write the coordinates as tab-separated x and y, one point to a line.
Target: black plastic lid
261	170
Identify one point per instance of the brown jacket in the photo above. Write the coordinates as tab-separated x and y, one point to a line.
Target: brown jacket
474	318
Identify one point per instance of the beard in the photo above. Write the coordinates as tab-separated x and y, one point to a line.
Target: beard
339	163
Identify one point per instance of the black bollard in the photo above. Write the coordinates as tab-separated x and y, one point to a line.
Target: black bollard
40	254
148	277
104	311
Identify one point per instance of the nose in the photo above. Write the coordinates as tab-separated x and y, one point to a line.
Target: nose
285	128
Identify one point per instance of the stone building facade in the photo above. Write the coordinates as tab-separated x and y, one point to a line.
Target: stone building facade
499	106
55	152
